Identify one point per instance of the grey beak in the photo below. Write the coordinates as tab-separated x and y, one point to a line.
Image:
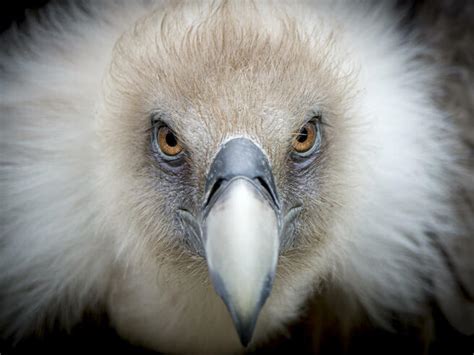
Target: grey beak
241	231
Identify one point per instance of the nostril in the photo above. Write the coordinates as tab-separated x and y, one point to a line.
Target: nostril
261	181
214	189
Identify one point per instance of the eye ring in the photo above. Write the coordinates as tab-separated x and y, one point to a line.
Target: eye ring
307	139
166	142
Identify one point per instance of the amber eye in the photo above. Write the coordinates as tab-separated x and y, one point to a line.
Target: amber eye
306	138
167	142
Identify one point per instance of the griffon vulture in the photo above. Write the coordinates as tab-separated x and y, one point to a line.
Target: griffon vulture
208	173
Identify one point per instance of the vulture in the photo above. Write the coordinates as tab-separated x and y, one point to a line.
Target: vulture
220	176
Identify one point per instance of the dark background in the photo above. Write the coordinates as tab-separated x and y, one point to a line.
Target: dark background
14	11
94	335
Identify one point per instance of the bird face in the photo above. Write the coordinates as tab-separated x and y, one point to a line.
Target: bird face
220	149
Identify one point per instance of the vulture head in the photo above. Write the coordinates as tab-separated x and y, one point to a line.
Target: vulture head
220	152
201	172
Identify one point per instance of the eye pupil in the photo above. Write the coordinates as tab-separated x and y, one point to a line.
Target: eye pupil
303	135
171	140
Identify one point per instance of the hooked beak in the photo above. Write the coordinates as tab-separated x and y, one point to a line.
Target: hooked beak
241	228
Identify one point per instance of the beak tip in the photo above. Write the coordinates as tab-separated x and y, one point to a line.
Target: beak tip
245	320
245	332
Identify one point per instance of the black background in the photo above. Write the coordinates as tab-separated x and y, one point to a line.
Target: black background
14	11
